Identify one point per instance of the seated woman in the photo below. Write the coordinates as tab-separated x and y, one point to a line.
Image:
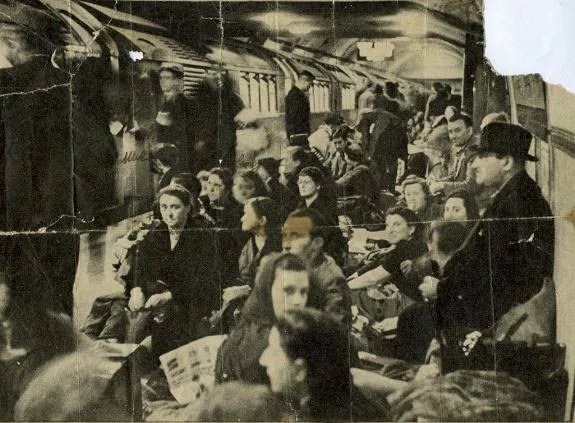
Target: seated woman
403	233
379	288
417	198
358	178
282	283
174	275
220	203
226	212
460	206
262	221
307	362
314	195
248	184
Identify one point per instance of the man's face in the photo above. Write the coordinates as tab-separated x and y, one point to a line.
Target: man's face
169	82
304	84
459	132
215	188
288	165
488	169
296	236
339	144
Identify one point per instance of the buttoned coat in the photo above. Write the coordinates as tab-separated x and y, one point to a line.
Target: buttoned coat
504	260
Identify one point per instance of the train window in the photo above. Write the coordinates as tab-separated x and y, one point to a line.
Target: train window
244	83
347	97
273	94
319	97
255	92
264	95
259	92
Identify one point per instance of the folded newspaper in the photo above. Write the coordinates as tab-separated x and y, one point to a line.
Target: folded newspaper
190	369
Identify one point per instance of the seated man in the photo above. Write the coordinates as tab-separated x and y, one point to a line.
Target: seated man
507	255
460	174
320	139
305	234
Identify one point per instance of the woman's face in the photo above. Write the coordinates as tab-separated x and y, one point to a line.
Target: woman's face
174	211
283	372
397	228
290	290
251	222
243	190
414	197
307	187
216	188
455	210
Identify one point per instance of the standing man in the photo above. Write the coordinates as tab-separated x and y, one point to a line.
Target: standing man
509	252
176	117
297	110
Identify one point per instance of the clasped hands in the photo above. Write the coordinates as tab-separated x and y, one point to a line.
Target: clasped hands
138	299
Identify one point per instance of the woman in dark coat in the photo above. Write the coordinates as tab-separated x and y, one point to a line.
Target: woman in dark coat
175	275
222	207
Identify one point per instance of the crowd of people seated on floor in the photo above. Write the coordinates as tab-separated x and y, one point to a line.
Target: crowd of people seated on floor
454	244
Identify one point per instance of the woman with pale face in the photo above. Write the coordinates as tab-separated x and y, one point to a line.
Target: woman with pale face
282	284
171	267
461	206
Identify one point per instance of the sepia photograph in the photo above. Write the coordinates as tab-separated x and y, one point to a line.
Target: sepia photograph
326	211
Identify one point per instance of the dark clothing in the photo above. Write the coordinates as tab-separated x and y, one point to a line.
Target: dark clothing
391	262
189	272
503	261
250	258
239	355
358	181
284	198
229	236
37	177
297	113
181	113
216	127
385	145
167	178
327	207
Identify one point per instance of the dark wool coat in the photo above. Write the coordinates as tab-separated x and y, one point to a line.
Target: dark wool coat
297	112
503	261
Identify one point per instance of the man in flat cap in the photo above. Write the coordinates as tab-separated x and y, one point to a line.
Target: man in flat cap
508	253
176	118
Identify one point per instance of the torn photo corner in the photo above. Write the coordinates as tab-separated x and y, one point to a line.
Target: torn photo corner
267	211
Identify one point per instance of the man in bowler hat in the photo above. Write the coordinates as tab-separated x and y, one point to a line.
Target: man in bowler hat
509	252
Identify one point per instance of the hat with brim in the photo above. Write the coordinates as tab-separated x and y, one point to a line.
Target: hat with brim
507	139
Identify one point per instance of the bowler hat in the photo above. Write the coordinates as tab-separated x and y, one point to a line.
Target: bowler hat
506	138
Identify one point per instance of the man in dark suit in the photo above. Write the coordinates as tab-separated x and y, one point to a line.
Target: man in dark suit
297	109
510	250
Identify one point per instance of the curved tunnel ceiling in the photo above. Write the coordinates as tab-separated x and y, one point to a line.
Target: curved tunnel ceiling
428	36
